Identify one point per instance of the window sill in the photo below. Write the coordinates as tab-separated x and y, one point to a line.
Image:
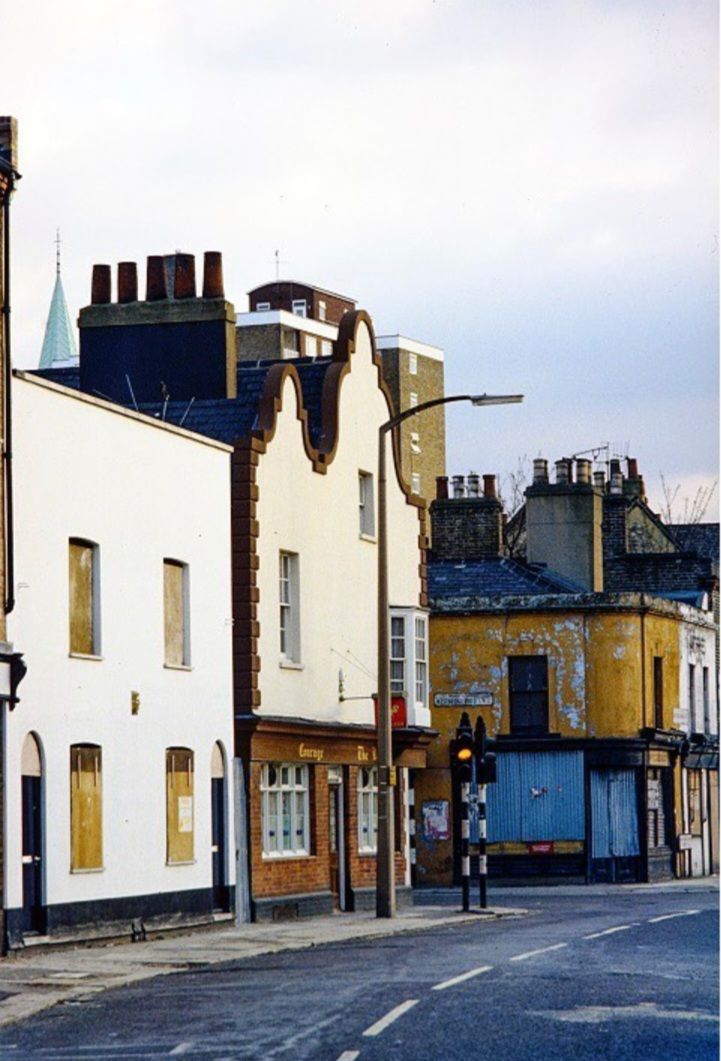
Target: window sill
285	856
368	538
88	869
290	664
85	655
186	862
177	666
366	852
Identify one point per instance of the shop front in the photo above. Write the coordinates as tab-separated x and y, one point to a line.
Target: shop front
311	792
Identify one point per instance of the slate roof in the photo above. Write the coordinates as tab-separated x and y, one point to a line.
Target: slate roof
487	578
224	419
68	377
701	538
312	377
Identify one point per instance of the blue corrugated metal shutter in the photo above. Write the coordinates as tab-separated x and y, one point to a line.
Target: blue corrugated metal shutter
614	814
538	796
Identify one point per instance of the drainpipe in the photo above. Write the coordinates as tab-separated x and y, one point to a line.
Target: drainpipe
11	176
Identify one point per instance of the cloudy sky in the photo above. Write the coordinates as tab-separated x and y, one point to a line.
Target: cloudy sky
529	184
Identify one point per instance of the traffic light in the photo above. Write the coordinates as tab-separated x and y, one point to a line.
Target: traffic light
462	749
485	749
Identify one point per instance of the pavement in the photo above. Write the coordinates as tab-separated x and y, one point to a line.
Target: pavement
39	977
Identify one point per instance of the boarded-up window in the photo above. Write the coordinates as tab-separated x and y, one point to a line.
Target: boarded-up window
83	603
177	632
179	787
86	807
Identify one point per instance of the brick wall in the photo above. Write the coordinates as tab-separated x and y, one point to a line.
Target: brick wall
466	528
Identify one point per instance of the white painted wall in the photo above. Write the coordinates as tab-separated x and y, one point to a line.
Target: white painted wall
317	517
698	647
143	491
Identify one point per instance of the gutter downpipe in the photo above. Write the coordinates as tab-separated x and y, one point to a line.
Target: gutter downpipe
9	537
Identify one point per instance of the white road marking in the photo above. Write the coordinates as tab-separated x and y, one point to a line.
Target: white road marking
382	1024
533	953
349	1055
181	1048
668	917
464	976
610	931
601	1014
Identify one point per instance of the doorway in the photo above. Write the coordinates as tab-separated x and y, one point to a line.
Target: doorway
615	844
219	830
33	828
336	838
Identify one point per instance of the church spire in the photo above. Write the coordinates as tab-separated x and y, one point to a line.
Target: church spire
59	346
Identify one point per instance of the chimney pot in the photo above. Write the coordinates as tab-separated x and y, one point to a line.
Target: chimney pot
599	480
184	276
540	470
583	471
213	275
489	486
101	285
632	468
459	488
616	486
156	288
441	487
614	468
127	282
473	485
562	472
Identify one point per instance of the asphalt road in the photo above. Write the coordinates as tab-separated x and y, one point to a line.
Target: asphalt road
631	975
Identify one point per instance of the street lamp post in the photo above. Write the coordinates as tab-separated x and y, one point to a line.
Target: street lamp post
385	872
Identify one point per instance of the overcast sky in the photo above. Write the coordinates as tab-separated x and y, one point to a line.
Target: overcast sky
529	184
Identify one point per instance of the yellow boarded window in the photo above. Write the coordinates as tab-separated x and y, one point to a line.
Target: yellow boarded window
179	790
83	595
175	594
86	807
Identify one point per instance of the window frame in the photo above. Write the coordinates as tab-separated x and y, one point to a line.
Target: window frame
291	790
367	790
536	700
416	483
413	364
289	608
92	648
366	505
398	661
184	663
420	646
299	306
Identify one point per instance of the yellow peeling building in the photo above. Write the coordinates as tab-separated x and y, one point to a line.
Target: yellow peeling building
603	703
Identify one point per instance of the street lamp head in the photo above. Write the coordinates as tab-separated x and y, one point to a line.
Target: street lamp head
496	399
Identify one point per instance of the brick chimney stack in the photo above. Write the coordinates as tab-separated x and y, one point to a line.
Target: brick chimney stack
170	343
468	525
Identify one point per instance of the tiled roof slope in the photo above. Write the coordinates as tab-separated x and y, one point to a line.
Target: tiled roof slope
486	578
312	372
67	377
224	419
701	538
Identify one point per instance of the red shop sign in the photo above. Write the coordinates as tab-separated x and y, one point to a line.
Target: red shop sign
543	847
399	715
